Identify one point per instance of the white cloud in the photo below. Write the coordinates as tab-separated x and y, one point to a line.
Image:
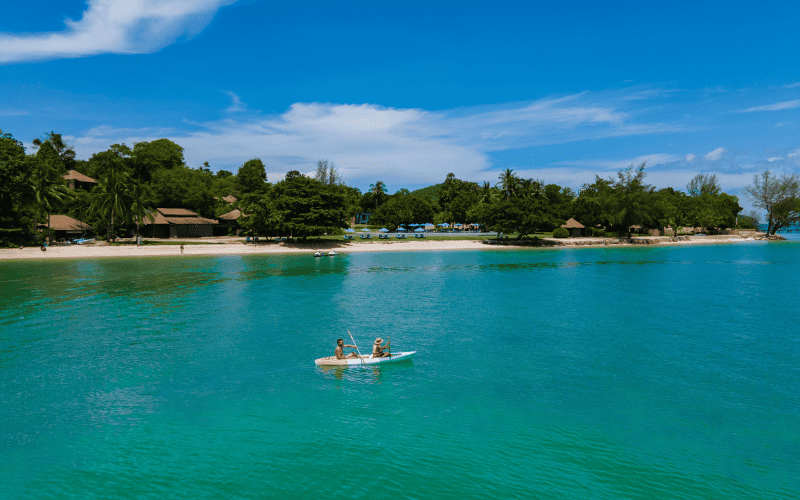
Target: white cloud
690	157
11	112
400	146
236	103
793	85
774	158
774	107
715	155
114	26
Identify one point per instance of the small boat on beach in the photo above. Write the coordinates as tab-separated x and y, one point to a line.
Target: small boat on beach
317	254
364	360
332	253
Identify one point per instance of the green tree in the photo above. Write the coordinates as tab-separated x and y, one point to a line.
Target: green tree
183	187
487	193
327	173
378	191
262	215
306	207
64	150
155	155
703	184
769	192
15	189
113	197
252	177
116	157
403	210
508	182
49	188
631	200
142	204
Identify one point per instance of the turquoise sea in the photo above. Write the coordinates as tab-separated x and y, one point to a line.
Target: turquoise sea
616	373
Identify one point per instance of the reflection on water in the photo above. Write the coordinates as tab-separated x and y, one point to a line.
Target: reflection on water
364	373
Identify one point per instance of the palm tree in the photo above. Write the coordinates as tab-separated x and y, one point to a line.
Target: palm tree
141	204
509	182
378	190
113	196
487	193
48	187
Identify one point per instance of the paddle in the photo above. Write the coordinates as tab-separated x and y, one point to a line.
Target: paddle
357	350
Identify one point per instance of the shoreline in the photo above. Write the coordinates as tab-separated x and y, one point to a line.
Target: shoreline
239	248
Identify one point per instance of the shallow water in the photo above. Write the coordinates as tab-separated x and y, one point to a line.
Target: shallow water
586	373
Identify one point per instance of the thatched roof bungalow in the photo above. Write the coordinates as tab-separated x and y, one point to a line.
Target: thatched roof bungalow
64	226
574	227
76	180
230	220
178	223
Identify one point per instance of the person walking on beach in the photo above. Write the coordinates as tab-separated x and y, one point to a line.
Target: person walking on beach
340	345
181	248
377	349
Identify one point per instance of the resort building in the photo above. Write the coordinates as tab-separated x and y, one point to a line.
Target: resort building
177	223
64	227
230	221
574	227
76	180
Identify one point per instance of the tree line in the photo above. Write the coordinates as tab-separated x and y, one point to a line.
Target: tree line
132	181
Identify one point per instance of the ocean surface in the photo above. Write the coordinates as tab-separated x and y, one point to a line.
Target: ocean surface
619	373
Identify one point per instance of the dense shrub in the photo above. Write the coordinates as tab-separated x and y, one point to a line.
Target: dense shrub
560	233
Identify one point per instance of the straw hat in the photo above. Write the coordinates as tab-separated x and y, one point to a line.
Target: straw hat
379	340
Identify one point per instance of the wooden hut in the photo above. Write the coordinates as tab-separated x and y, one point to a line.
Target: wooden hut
64	227
574	227
178	223
76	180
228	221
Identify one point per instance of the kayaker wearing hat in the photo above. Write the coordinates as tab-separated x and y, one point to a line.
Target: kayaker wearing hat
377	349
340	351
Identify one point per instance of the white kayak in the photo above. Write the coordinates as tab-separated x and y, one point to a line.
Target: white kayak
364	360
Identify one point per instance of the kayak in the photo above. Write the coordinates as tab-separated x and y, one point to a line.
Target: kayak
364	360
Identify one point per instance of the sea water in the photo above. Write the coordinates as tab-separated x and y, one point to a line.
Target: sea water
638	372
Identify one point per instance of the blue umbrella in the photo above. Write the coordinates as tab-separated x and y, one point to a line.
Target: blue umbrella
365	230
419	230
349	230
444	225
383	230
402	229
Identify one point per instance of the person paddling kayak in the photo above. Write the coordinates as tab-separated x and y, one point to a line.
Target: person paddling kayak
340	345
377	349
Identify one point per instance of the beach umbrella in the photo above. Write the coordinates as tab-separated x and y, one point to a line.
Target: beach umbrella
459	225
419	230
349	230
402	229
365	230
444	225
383	230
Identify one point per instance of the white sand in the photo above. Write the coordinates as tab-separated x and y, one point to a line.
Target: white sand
91	251
233	247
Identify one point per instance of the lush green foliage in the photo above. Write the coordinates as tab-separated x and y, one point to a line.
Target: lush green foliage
560	232
134	181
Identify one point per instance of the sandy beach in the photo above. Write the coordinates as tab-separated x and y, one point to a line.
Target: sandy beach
237	247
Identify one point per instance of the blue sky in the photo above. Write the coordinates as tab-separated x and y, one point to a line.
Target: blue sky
406	93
